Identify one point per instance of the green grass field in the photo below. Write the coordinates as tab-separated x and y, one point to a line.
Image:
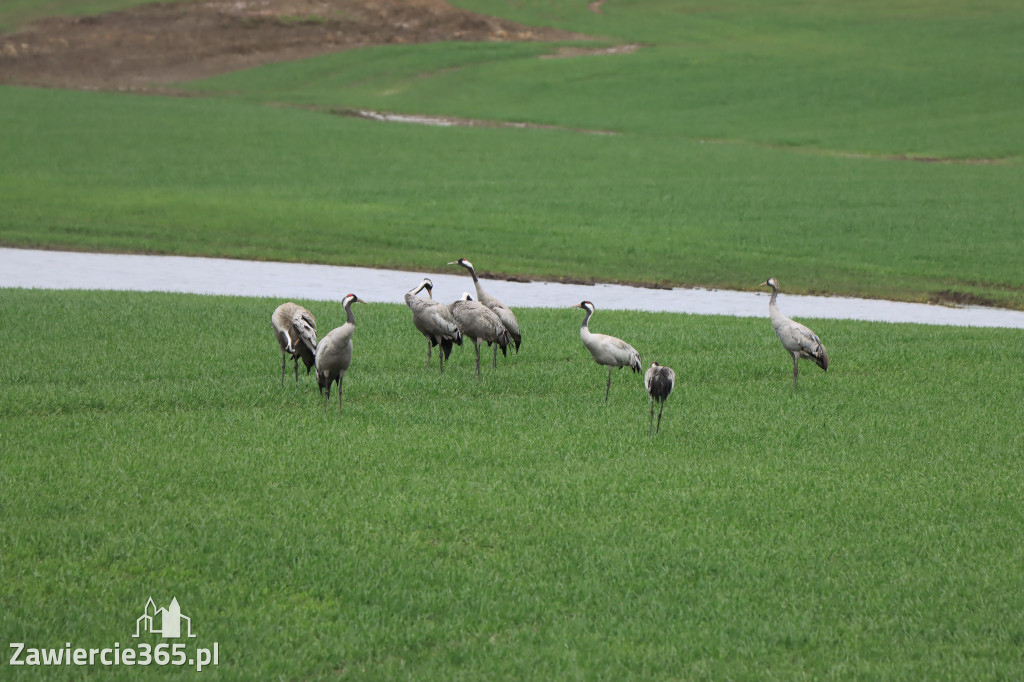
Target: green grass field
864	527
755	139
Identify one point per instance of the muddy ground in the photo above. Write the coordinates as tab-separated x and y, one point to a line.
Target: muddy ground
150	45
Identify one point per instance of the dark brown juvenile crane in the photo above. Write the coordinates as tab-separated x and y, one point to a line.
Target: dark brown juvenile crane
659	382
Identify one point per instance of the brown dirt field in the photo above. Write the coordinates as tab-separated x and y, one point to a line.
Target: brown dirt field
150	45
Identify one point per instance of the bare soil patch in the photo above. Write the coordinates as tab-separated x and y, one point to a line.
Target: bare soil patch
961	298
150	45
567	52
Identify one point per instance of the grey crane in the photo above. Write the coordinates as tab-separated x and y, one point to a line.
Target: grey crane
334	353
295	331
659	382
434	320
607	350
479	323
800	341
504	313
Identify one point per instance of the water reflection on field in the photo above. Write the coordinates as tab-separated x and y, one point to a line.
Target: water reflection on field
66	270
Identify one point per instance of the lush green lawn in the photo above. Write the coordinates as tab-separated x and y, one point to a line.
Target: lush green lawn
866	526
205	177
754	139
932	80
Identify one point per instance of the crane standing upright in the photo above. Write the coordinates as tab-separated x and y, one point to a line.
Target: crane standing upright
480	323
434	320
334	353
659	382
504	313
607	350
796	338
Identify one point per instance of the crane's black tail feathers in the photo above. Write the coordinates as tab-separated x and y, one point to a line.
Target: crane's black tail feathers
446	347
308	356
660	389
503	341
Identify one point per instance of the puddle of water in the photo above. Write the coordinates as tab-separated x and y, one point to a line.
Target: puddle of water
402	118
450	121
65	270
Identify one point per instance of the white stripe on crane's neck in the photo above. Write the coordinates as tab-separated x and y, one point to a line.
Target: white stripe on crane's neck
425	284
774	284
347	303
589	308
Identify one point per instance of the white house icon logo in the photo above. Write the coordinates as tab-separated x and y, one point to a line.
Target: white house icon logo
166	622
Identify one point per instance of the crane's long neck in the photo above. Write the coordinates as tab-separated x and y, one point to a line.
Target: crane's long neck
584	328
419	289
480	295
348	312
774	313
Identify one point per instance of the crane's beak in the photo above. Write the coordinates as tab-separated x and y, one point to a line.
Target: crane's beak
454	262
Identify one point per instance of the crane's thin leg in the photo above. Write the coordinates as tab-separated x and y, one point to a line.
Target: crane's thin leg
327	396
476	343
340	379
659	415
796	368
440	359
650	430
494	362
284	361
428	353
296	369
608	386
